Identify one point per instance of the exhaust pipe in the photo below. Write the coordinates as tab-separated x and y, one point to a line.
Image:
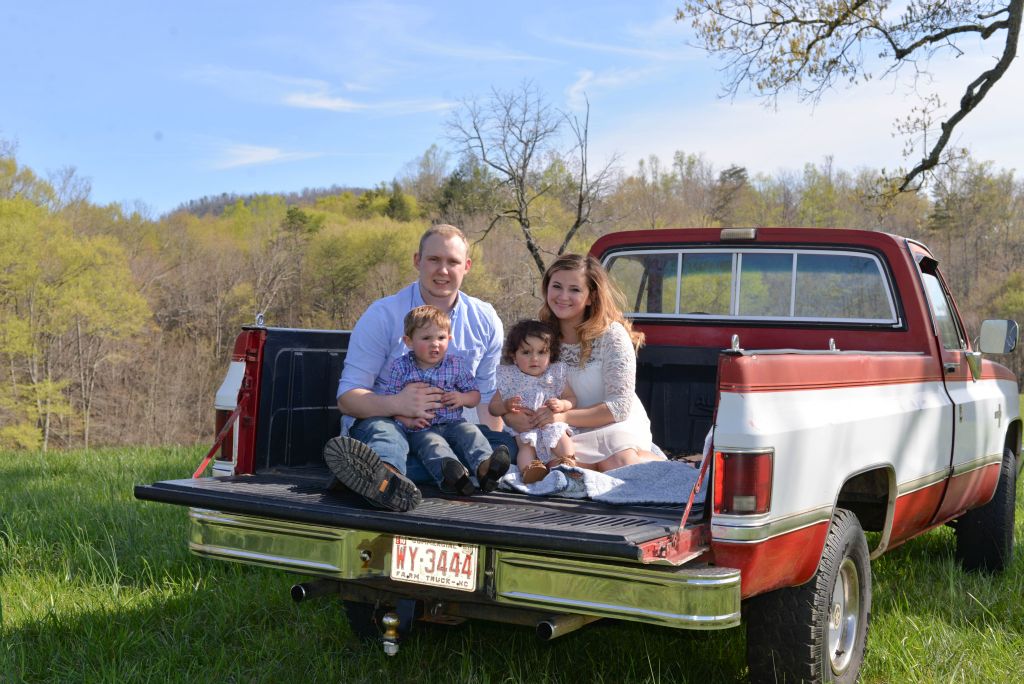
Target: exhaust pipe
560	625
310	590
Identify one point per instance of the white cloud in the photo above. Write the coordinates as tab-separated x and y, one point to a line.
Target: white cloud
474	53
304	93
590	83
667	55
237	155
321	100
250	83
355	87
413	106
663	28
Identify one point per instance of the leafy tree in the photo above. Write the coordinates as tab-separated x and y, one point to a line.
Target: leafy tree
342	204
66	303
651	193
401	207
467	191
383	201
298	222
810	46
349	266
975	216
423	177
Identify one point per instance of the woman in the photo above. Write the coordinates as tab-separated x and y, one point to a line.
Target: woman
599	348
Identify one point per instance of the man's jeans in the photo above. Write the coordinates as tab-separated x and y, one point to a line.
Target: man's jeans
389	439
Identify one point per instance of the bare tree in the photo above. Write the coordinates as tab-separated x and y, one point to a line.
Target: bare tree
512	134
809	46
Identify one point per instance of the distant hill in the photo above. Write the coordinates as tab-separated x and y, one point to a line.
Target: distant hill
215	204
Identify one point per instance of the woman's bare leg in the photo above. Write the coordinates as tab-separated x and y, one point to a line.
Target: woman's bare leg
645	455
564	449
624	458
617	460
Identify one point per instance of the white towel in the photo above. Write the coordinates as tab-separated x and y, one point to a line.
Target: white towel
651	482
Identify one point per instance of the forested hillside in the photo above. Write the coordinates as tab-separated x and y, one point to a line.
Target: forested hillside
115	326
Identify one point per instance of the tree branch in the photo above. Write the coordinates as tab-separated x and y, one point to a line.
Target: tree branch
975	93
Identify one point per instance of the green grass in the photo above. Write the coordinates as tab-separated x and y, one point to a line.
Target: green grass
99	587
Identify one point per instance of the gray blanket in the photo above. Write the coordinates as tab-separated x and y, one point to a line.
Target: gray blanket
653	482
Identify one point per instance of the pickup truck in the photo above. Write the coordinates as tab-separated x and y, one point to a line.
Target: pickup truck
849	411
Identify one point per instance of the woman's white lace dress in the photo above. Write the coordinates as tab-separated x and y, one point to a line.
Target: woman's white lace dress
608	377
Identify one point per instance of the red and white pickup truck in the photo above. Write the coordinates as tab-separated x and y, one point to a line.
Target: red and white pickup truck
844	395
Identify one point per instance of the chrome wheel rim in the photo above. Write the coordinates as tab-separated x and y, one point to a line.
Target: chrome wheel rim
843	614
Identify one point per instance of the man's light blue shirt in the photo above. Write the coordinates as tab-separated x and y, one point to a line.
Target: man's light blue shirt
376	342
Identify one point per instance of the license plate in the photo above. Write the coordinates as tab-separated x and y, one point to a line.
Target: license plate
421	561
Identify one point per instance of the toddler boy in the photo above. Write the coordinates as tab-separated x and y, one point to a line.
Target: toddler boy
442	440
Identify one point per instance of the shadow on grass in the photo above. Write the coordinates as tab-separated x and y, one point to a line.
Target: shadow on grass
922	578
247	629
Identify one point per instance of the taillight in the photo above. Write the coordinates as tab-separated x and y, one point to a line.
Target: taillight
227	448
743	482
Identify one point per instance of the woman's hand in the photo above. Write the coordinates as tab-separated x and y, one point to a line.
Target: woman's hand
544	416
520	421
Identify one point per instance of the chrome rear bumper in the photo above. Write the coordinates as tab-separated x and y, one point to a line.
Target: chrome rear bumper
689	597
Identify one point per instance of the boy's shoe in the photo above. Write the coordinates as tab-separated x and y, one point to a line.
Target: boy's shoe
359	468
456	478
494	468
535	472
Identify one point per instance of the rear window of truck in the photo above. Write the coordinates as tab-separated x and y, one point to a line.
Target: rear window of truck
828	286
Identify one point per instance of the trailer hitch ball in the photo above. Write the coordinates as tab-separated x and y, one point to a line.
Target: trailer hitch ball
390	638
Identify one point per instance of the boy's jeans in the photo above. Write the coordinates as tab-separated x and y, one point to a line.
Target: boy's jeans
462	441
393	444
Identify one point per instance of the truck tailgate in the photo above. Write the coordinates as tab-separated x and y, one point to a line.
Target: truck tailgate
502	519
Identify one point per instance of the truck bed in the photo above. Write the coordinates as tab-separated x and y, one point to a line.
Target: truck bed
504	519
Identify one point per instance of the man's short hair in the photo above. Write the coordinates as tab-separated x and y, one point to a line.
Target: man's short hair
445	230
425	315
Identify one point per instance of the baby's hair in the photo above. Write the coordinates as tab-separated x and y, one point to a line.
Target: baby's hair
529	328
425	315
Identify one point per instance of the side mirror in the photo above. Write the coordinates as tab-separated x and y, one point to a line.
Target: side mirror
998	337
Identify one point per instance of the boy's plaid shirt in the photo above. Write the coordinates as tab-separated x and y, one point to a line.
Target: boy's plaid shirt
451	375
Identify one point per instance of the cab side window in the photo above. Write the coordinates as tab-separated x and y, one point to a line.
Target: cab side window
947	325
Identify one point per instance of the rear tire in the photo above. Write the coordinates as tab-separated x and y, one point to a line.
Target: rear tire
984	536
816	632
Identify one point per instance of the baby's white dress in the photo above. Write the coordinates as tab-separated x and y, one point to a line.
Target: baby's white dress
534	390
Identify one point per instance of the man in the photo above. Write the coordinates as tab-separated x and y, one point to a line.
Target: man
372	460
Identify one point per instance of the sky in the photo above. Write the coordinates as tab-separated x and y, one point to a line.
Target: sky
159	103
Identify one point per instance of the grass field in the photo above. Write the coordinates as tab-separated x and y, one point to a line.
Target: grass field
99	587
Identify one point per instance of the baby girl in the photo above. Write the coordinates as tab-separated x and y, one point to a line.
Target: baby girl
530	377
